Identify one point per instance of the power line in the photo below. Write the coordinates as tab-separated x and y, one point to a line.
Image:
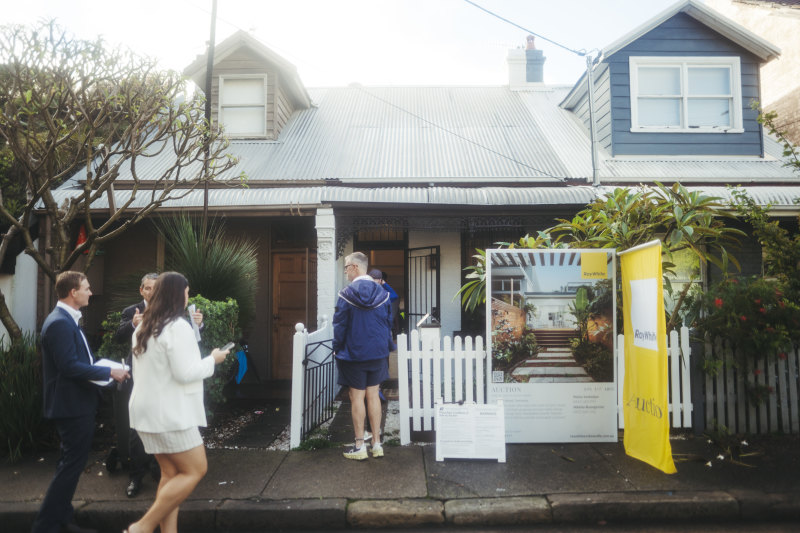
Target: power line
467	139
567	48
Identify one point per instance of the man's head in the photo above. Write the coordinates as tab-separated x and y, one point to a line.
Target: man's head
72	288
375	274
355	265
146	288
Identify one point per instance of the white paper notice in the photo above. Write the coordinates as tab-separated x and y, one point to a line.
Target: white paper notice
195	327
110	364
470	432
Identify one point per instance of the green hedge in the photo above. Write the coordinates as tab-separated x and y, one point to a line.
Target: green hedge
221	325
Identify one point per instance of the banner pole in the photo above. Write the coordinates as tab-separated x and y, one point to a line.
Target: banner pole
640	247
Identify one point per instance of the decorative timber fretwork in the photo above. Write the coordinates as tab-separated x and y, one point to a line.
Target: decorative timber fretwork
347	226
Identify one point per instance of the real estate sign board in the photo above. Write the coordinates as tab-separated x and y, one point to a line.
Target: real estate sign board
550	318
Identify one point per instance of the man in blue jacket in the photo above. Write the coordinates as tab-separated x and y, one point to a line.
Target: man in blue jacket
362	339
70	398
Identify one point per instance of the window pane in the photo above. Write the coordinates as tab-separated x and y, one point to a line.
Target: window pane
243	120
709	80
709	112
659	112
243	91
655	81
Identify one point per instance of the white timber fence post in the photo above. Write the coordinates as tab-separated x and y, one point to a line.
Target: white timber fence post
298	354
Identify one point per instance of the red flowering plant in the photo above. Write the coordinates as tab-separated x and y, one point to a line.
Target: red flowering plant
753	314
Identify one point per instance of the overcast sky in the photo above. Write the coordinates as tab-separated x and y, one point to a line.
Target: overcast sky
373	42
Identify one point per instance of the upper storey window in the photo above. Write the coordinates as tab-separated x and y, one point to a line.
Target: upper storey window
243	106
686	94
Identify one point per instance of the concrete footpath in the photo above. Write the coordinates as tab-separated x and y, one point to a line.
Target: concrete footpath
257	490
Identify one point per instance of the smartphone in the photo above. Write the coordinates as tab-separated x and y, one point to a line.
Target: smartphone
228	346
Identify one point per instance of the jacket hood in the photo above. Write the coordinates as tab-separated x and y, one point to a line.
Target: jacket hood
364	294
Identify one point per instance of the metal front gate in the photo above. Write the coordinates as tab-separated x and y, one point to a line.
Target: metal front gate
319	385
422	284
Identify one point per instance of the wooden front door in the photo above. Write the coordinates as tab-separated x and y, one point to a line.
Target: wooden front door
294	299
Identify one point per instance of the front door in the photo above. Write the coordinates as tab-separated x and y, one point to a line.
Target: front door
294	299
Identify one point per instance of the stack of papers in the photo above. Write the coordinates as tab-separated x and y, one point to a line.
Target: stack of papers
110	364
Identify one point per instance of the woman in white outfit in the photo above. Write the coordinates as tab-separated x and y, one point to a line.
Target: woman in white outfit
166	405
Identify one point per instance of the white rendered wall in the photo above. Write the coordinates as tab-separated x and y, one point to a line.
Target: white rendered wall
20	293
449	273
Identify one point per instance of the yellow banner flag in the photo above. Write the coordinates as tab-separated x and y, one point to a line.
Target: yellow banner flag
644	390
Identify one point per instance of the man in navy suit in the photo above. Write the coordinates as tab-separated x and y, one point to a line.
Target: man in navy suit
70	398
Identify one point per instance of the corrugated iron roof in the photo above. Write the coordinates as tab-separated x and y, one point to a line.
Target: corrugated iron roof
470	135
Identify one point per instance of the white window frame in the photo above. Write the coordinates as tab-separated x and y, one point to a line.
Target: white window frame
263	105
733	63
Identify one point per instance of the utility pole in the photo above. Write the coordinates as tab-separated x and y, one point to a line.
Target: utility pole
209	71
592	124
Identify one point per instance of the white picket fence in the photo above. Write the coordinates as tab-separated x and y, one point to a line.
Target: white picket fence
457	371
726	398
679	358
451	371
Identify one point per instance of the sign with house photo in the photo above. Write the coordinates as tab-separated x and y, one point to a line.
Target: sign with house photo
550	316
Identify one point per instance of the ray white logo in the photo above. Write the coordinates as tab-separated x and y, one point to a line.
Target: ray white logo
644	313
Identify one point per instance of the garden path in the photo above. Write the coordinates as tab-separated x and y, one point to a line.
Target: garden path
553	365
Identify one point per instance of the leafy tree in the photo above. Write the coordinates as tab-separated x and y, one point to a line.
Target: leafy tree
626	217
769	120
69	105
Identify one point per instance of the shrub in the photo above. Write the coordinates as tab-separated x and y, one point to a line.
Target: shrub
595	358
217	265
22	425
108	348
508	349
220	326
753	314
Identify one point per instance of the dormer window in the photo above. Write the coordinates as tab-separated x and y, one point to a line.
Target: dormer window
243	105
686	94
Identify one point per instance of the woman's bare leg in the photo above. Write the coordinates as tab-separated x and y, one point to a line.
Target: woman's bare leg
183	471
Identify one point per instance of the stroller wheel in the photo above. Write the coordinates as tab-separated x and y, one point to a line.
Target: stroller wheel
112	460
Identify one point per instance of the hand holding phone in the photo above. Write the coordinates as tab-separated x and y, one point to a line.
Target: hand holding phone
219	354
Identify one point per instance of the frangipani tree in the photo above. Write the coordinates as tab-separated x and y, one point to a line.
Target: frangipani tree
69	105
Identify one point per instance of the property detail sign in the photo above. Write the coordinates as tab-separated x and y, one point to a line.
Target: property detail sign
551	321
470	431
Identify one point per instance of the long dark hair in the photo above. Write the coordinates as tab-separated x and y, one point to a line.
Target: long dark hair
168	303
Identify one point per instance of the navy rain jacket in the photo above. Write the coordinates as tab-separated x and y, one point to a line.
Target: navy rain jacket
362	327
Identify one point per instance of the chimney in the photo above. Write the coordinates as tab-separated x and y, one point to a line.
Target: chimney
525	66
534	58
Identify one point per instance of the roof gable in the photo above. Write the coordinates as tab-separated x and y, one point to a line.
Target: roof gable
239	40
722	25
707	16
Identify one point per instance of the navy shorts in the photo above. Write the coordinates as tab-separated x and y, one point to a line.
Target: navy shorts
362	374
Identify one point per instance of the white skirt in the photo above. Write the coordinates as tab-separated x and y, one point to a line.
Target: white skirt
171	441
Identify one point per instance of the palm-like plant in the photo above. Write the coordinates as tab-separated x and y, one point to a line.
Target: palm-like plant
217	264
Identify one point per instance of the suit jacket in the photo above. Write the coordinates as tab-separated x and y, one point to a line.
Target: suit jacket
168	386
124	333
67	369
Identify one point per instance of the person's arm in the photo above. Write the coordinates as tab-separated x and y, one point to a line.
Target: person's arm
341	317
185	361
60	342
388	322
125	329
